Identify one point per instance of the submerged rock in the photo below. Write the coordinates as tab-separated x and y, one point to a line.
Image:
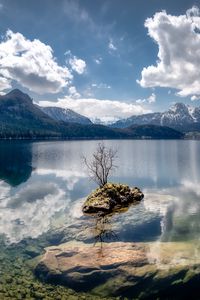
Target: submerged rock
83	266
110	197
147	271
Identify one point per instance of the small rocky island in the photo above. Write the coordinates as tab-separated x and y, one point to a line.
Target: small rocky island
111	197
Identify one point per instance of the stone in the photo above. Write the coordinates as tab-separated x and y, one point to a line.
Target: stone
78	265
32	251
111	197
123	269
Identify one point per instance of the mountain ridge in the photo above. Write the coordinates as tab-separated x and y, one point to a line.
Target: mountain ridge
180	117
20	118
65	115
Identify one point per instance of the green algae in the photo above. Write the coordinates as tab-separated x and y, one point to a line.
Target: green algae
17	280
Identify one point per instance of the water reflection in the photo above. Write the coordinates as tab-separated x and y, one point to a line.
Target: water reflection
28	212
103	231
42	183
181	221
15	162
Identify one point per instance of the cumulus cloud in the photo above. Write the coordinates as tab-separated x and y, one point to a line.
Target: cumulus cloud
178	64
150	99
73	92
193	12
31	64
78	65
105	110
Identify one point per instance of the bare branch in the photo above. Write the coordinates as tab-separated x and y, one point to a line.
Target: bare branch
102	164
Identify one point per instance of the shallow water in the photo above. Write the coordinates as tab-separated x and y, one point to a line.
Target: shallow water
43	185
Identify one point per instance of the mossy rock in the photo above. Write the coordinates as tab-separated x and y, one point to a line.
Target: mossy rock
110	197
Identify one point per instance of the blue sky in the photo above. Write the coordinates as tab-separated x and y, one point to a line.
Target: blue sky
105	59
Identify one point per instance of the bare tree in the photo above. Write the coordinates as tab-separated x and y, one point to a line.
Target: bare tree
101	164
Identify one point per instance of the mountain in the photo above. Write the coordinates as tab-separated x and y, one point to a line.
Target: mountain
19	114
65	115
180	116
21	118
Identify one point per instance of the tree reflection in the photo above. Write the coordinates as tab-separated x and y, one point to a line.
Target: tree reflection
103	231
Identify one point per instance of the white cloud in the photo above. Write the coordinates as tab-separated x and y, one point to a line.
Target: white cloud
101	86
31	64
150	99
1	6
193	98
178	64
98	61
111	45
193	12
78	65
4	83
73	92
140	101
105	110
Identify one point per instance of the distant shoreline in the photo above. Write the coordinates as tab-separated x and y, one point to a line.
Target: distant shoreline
90	139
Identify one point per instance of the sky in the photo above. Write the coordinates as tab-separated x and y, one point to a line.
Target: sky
105	59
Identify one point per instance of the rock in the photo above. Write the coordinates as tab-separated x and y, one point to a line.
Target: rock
83	266
111	197
118	268
33	251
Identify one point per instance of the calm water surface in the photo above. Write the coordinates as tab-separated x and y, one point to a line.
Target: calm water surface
43	185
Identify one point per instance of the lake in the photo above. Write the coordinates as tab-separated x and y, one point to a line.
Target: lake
42	188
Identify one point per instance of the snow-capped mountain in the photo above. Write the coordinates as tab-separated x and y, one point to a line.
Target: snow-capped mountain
65	115
179	116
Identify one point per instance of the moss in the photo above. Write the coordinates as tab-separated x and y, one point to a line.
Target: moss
18	282
189	275
176	282
110	197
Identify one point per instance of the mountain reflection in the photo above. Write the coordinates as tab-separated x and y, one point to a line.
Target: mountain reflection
15	162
